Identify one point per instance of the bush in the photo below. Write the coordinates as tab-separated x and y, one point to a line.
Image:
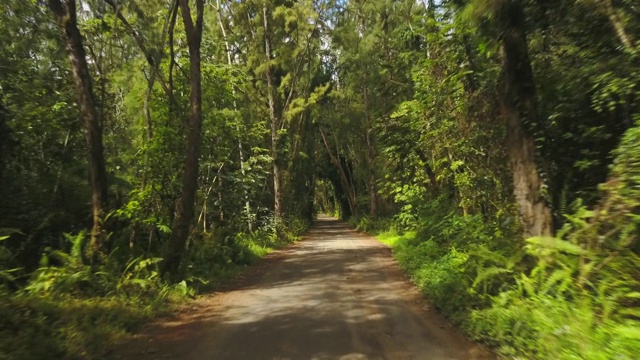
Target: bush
34	327
441	260
439	255
547	327
581	299
372	225
69	309
220	255
441	275
555	298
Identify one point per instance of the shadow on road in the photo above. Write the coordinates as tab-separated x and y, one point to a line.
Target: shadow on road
335	295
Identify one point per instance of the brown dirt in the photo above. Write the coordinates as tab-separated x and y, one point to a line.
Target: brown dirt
337	294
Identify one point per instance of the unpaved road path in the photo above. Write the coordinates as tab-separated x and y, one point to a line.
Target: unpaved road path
335	295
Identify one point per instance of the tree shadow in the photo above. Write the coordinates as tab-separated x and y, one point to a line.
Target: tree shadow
336	295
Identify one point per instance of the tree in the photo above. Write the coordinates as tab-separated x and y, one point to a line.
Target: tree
520	108
228	51
277	42
65	12
6	142
185	207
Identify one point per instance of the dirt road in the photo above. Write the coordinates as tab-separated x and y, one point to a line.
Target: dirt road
336	295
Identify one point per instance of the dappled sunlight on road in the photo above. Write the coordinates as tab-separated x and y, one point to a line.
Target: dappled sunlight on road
336	295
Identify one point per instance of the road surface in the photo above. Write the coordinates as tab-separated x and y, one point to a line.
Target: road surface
337	294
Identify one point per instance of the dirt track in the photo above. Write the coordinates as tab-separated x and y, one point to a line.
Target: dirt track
336	295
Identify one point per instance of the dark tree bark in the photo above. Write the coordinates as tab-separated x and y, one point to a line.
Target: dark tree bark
520	108
373	188
427	168
341	196
65	12
6	140
185	207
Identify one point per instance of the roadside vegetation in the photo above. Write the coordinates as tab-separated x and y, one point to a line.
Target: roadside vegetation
571	296
150	149
70	309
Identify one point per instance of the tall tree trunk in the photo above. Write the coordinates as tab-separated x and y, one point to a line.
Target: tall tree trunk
247	204
427	168
186	204
6	141
344	179
370	155
625	38
152	59
274	120
147	105
373	190
520	107
65	12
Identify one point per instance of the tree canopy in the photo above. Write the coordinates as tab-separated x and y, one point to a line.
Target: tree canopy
502	134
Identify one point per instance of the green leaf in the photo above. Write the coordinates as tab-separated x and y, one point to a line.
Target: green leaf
555	244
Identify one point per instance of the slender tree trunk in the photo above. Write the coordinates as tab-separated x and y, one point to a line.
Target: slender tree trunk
520	107
427	168
65	12
625	38
147	103
373	190
220	198
186	204
274	122
152	60
247	204
172	62
277	176
6	141
344	179
373	194
370	153
202	218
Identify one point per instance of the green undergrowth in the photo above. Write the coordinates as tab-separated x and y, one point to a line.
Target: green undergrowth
220	258
67	309
437	255
573	296
66	327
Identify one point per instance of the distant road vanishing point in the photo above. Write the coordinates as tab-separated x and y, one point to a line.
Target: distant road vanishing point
337	294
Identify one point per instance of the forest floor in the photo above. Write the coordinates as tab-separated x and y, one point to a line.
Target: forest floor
336	294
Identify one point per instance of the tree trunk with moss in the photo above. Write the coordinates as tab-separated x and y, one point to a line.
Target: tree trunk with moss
520	109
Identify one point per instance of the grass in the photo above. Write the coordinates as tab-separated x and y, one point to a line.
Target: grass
392	238
64	327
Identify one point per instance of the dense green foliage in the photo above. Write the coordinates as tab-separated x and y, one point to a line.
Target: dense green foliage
455	228
494	143
573	296
58	301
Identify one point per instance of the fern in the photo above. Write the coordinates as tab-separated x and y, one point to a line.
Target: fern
486	273
544	246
